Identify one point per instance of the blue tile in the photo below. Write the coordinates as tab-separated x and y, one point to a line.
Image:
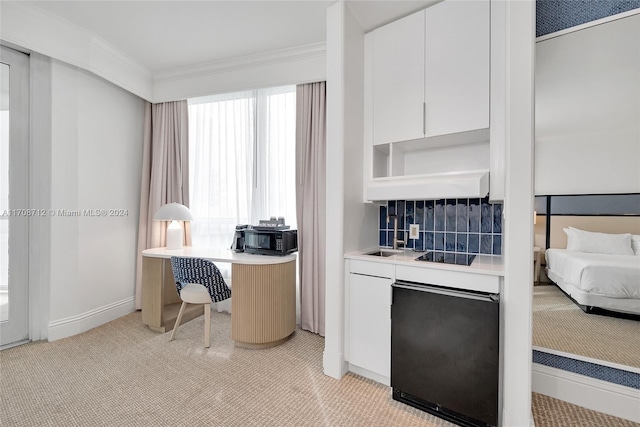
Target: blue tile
389	238
400	213
486	220
419	242
438	241
419	214
486	246
474	215
382	238
439	215
429	241
391	210
410	244
409	209
474	243
438	255
462	215
450	242
462	259
383	217
450	215
461	242
429	212
497	244
497	218
449	257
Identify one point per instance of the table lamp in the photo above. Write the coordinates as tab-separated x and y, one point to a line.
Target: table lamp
174	212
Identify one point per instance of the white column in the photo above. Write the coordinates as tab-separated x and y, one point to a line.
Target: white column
518	208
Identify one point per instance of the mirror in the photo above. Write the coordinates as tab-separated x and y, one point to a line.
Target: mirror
587	142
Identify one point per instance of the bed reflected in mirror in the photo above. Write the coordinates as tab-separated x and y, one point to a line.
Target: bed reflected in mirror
586	304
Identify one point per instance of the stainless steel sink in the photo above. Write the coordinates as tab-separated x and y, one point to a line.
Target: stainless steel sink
382	253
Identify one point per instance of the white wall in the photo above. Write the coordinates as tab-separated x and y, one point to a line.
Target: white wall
360	219
333	357
97	131
588	110
304	64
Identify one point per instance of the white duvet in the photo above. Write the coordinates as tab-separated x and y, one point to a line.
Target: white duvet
615	276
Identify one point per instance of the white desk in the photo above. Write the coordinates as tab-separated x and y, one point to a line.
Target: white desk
263	303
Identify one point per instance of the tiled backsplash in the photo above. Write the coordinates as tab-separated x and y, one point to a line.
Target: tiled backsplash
468	226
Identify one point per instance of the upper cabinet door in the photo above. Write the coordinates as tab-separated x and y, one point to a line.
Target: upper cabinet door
457	67
398	80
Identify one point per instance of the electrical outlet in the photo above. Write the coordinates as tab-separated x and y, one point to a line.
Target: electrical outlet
414	229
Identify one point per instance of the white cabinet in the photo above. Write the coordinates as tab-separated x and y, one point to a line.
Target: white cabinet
430	73
398	80
369	322
427	103
456	67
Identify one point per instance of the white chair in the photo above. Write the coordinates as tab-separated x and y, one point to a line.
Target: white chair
198	281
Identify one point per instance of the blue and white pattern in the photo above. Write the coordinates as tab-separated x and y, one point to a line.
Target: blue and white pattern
203	272
557	15
604	373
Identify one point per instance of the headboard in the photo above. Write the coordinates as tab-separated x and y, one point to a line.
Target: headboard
605	213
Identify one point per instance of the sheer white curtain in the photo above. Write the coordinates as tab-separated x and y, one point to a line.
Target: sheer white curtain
275	182
242	161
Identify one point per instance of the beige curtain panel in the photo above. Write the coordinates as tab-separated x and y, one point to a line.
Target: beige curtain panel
310	202
165	174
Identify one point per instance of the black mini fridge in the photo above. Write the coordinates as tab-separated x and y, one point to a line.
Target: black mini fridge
445	352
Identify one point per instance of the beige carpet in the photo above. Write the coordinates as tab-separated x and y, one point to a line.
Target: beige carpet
123	374
560	325
550	412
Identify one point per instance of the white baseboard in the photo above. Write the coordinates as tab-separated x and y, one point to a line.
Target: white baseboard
369	374
591	393
334	365
83	322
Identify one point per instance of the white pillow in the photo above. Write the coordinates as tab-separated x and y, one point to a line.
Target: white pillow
599	243
635	244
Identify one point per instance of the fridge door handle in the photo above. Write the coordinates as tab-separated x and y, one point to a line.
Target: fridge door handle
448	292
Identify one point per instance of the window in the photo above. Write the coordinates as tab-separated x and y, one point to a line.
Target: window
241	161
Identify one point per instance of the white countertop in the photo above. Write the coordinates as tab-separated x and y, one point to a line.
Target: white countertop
482	264
218	255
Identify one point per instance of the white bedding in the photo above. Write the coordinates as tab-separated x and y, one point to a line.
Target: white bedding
614	276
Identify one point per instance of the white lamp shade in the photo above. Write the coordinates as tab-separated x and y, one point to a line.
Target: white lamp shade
174	212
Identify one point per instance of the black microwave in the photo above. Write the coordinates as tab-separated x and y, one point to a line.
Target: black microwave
270	242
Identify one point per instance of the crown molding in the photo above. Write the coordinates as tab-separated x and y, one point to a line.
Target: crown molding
34	29
40	31
315	50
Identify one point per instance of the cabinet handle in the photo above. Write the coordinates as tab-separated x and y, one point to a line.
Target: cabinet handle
424	118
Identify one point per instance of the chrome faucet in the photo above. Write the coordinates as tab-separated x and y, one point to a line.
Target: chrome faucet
396	241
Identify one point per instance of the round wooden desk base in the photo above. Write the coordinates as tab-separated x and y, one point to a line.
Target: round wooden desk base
263	303
262	345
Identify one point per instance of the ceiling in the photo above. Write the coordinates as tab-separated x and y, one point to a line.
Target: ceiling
164	35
